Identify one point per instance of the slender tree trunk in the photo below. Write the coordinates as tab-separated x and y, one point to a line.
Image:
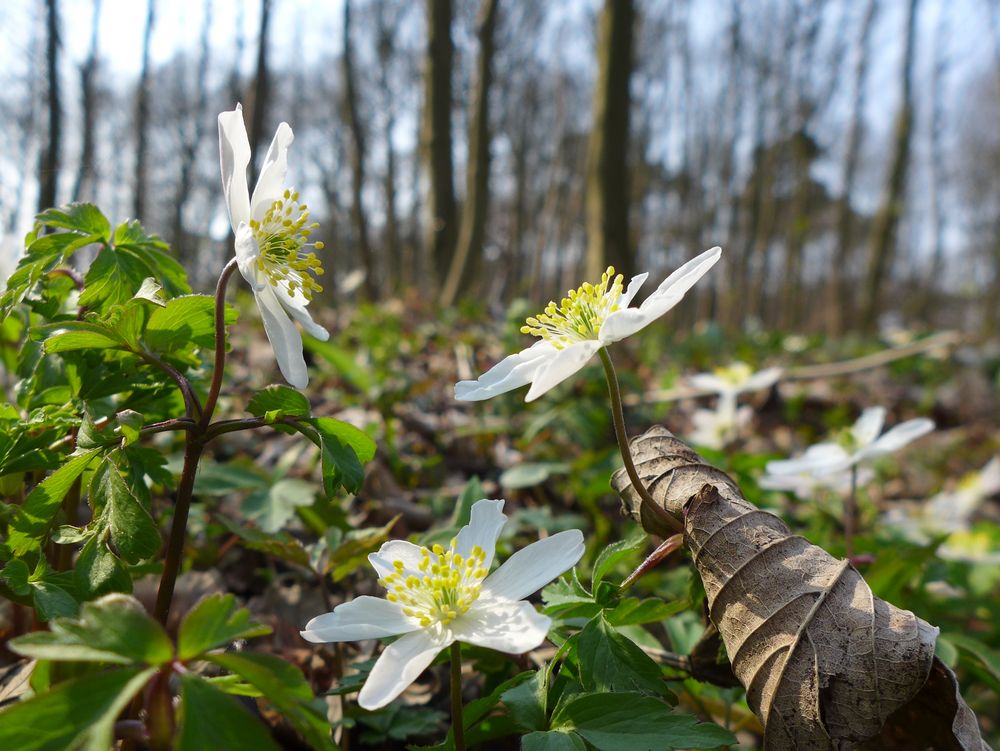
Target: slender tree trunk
192	136
261	91
436	137
467	260
142	119
608	241
50	159
883	236
234	84
393	251
937	171
84	183
839	298
358	216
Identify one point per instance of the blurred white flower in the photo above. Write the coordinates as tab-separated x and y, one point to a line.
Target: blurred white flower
735	379
439	596
716	428
861	442
807	486
590	318
273	249
950	513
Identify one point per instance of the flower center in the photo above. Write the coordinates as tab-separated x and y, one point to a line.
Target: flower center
580	315
445	587
286	254
736	374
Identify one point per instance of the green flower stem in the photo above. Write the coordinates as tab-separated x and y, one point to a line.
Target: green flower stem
220	344
618	416
457	720
178	529
197	436
850	514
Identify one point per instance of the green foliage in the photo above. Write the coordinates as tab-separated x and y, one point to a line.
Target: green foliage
215	622
209	718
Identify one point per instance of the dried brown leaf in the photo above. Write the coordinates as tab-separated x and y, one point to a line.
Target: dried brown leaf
824	662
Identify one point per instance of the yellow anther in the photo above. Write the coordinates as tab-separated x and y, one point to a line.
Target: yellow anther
580	315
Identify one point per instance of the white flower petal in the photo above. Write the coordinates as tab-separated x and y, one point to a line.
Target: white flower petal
400	664
989	478
632	289
624	323
762	379
677	284
234	156
363	617
295	305
709	382
511	627
485	522
284	337
271	183
897	437
510	373
561	366
868	426
819	457
531	568
396	550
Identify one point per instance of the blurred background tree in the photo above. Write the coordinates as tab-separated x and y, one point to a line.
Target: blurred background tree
845	155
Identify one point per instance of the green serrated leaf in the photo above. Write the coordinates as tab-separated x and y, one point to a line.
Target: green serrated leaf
15	575
628	721
611	662
282	398
215	622
281	546
98	571
151	291
133	531
345	449
52	601
211	719
615	552
32	519
75	335
353	549
84	218
285	688
184	321
271	509
77	714
553	740
526	702
113	278
130	424
114	628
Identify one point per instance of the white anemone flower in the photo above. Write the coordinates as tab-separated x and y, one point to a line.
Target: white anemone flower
437	596
807	485
716	428
273	250
860	443
948	512
735	379
591	317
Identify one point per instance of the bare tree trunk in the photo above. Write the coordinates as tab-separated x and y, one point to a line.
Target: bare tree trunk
467	260
838	292
358	216
142	119
607	201
239	44
937	171
436	136
883	237
192	136
50	158
261	91
393	251
84	183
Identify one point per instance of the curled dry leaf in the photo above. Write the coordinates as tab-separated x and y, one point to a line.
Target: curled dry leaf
825	663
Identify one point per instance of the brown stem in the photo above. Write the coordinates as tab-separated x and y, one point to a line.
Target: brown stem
192	408
457	720
178	528
220	345
618	416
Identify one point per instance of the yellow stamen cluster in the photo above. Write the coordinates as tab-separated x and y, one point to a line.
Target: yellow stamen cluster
444	586
736	374
580	315
286	255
